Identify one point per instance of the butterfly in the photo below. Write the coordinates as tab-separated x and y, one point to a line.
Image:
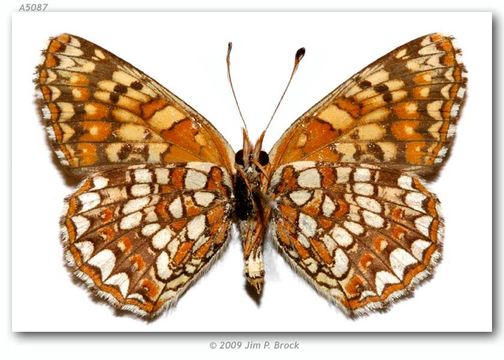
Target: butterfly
342	192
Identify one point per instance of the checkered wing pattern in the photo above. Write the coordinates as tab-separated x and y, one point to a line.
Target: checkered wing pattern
139	235
101	112
363	236
343	192
401	112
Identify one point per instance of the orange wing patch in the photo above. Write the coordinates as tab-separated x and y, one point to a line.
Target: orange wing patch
100	112
400	111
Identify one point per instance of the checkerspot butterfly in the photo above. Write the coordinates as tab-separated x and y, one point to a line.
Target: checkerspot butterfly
342	191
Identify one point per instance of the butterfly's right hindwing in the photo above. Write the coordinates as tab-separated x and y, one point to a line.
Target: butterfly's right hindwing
363	236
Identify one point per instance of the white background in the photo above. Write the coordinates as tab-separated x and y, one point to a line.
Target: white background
186	53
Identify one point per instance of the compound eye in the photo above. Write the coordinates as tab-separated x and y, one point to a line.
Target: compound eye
239	158
263	158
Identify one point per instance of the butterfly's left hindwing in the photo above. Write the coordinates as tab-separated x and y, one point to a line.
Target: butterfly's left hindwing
139	235
363	236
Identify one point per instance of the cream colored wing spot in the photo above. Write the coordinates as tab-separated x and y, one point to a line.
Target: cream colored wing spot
139	190
302	165
384	278
400	259
415	200
377	115
150	229
138	204
338	118
401	53
196	227
66	111
373	220
125	116
89	201
342	236
341	263
81	224
300	197
203	198
361	175
121	280
162	175
99	54
131	221
328	206
123	78
162	238
163	266
434	109
309	179
378	77
418	248
307	224
176	208
302	140
368	204
195	180
354	227
423	224
363	189
86	248
165	118
105	261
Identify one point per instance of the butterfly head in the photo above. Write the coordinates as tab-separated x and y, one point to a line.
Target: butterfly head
251	157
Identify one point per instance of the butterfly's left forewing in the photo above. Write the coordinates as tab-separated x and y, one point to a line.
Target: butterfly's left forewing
138	236
101	112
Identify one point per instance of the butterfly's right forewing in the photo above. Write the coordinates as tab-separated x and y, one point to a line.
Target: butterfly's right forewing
400	112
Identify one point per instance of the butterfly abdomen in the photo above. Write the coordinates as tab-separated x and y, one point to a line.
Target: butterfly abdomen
249	212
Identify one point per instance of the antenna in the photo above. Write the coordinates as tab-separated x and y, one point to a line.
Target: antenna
299	55
228	61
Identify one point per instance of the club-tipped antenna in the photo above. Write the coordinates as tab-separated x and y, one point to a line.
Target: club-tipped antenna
228	61
299	55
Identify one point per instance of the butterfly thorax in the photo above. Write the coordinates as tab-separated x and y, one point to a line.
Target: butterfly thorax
251	209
